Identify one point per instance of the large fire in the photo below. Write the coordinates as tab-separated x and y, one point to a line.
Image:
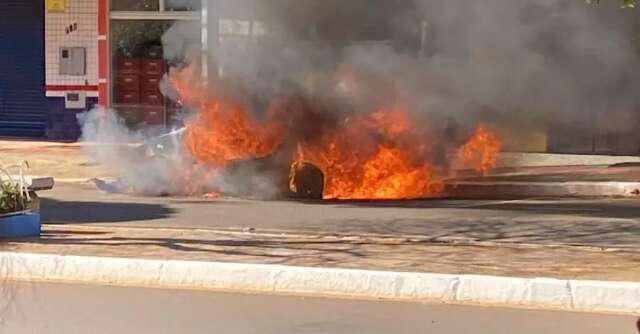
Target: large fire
223	133
381	154
372	156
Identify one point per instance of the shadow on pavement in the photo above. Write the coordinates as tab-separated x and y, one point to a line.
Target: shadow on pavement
596	233
591	209
604	209
75	212
278	251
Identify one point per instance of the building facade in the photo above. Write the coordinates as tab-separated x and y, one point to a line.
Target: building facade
59	58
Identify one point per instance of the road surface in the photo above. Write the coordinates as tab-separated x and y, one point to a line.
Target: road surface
601	223
46	308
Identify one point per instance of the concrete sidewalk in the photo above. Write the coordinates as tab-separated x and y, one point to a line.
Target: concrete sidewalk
58	160
573	279
387	253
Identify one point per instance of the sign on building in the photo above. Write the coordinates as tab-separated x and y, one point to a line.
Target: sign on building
56	5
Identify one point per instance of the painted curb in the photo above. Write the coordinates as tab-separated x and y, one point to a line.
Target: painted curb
521	159
532	293
500	189
507	189
84	179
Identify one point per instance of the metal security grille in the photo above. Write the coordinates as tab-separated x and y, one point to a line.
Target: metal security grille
22	89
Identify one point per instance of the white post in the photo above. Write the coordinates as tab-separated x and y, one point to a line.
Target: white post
204	39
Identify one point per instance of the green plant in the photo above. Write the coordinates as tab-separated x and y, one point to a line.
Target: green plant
14	192
623	3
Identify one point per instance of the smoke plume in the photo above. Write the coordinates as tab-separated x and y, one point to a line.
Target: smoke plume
533	64
541	64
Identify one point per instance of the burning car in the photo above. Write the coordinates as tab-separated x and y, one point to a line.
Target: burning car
298	148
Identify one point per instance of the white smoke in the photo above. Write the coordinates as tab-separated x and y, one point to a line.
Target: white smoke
145	162
119	148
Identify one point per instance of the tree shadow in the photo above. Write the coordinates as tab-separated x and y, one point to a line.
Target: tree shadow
597	223
79	212
319	251
610	223
467	229
607	223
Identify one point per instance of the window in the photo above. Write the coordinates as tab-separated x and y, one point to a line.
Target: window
135	5
182	5
246	28
147	38
156	5
132	38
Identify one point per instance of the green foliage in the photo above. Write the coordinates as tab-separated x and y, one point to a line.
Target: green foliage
131	38
623	3
14	193
12	198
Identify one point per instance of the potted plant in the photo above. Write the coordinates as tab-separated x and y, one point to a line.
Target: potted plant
17	205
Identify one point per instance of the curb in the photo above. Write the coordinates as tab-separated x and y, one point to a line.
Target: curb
531	293
42	178
84	179
500	189
520	159
505	189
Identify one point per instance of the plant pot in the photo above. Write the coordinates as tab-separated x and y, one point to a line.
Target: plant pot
20	224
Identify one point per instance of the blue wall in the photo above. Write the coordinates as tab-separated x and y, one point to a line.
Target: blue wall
62	124
22	84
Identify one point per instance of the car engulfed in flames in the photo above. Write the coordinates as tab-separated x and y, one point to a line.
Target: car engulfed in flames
307	152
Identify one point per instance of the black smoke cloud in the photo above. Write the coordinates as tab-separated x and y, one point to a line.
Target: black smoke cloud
540	64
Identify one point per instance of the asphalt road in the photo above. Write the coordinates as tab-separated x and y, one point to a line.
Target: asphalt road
604	222
46	308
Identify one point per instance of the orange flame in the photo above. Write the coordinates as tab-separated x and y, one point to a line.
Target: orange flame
223	133
481	150
185	82
375	156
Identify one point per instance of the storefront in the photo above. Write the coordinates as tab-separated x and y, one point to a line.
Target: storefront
115	53
139	59
60	58
49	68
